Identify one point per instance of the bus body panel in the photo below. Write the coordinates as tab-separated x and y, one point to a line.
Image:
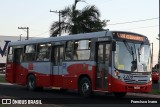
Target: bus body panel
41	71
74	71
9	76
20	73
45	77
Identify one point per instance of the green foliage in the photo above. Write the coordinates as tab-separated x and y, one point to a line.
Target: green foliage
155	92
74	21
2	79
2	105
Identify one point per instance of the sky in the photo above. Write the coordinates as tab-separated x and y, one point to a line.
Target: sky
36	15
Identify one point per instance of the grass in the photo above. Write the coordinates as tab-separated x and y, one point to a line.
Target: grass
1	105
2	79
155	92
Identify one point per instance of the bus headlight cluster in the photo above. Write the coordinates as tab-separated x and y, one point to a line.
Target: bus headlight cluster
116	73
150	79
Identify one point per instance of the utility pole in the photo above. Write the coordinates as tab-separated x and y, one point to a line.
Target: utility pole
159	57
26	31
159	52
59	12
152	55
20	36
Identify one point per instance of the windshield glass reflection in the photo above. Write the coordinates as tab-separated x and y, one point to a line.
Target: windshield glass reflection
132	57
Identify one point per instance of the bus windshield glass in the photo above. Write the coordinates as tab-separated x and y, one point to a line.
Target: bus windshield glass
132	57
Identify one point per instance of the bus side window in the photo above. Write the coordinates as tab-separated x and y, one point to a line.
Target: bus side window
75	55
29	54
61	55
82	50
69	48
100	54
43	52
10	54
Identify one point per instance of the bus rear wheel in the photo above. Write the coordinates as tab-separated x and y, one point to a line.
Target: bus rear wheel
84	87
31	83
120	94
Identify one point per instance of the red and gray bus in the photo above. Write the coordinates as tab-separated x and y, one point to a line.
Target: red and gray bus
107	61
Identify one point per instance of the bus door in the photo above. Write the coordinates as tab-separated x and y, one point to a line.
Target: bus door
102	65
58	55
17	66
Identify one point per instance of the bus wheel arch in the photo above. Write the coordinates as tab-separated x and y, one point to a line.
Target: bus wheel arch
84	85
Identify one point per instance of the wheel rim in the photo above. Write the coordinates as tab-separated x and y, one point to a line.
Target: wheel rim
85	87
31	83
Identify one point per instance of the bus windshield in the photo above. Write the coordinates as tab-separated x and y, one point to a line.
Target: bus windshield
132	57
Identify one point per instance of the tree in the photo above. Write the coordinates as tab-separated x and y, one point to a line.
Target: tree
76	21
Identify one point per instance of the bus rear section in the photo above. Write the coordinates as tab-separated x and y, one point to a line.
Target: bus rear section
29	65
10	74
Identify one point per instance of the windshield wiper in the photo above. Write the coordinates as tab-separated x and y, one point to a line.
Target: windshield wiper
130	50
140	50
134	62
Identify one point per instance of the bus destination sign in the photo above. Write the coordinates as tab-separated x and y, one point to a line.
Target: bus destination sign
130	36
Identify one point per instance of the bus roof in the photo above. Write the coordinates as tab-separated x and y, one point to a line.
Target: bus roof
62	38
69	37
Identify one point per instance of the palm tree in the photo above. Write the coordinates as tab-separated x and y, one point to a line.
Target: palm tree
78	21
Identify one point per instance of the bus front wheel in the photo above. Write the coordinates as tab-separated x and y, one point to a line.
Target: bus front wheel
155	81
84	87
31	83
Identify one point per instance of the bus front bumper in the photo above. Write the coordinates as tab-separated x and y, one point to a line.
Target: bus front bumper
119	86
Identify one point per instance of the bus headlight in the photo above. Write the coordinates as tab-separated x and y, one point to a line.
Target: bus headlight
116	73
150	79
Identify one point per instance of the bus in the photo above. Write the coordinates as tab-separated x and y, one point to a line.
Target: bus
106	61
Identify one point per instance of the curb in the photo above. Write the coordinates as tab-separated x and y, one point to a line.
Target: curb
144	95
2	74
6	84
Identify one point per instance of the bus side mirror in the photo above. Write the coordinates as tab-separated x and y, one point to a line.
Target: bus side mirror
113	45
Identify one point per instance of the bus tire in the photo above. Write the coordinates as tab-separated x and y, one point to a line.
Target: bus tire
31	83
39	88
120	94
63	90
155	81
84	87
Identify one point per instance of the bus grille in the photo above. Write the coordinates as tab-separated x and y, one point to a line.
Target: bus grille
137	80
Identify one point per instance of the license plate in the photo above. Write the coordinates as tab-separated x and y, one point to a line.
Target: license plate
136	87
